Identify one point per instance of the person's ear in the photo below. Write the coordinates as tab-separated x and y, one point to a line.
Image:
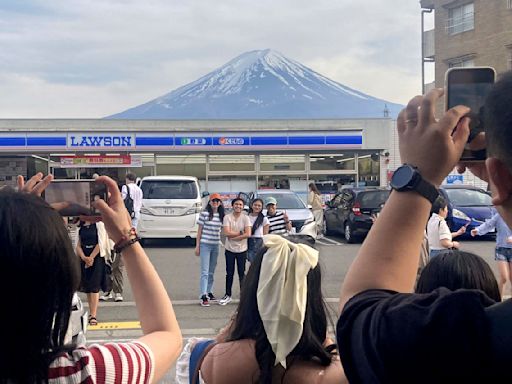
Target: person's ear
500	180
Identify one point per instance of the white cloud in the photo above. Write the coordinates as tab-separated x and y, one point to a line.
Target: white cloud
95	58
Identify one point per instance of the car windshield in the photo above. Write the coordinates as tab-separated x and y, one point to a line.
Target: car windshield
169	189
468	197
285	200
372	199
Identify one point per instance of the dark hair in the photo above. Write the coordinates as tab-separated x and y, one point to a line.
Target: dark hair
259	219
237	199
248	323
439	204
131	176
313	188
220	210
498	119
456	269
38	261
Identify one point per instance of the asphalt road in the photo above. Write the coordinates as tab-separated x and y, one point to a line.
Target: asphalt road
179	269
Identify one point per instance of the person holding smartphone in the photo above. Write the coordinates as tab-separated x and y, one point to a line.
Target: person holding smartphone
462	336
36	249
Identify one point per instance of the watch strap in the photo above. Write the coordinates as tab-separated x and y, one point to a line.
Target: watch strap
427	190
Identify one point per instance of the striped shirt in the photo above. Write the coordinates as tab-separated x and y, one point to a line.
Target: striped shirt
277	223
210	233
129	363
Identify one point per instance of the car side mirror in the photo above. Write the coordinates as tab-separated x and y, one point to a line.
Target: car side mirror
310	206
205	193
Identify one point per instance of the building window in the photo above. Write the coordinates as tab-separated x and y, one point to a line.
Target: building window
461	62
461	19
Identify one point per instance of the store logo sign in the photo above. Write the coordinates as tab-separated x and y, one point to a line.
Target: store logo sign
193	141
100	141
231	141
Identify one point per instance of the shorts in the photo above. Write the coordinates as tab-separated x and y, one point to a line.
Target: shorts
503	254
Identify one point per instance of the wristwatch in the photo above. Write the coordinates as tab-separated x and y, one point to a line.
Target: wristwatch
407	178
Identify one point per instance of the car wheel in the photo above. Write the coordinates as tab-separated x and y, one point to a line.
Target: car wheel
349	237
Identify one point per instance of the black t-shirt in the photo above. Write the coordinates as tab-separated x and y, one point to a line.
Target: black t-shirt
440	337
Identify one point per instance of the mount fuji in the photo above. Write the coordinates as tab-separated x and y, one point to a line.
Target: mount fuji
262	84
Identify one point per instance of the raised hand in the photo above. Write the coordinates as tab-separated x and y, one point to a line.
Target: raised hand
433	146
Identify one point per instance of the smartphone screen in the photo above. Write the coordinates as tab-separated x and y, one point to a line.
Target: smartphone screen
470	87
75	197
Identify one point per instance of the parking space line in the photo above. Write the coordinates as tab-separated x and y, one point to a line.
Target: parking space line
329	241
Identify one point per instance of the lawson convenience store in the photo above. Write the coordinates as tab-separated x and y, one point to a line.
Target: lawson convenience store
227	155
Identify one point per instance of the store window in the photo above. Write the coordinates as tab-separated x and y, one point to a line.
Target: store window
334	162
461	19
232	163
282	163
369	170
186	165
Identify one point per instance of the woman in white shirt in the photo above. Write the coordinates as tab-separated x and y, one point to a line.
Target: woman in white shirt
439	236
260	225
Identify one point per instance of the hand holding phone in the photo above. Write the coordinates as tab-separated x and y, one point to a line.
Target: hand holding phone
75	197
470	87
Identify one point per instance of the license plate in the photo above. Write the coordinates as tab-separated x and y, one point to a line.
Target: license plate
169	211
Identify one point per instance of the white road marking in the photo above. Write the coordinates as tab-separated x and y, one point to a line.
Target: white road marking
328	241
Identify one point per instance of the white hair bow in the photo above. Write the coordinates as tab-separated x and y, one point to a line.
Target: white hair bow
282	292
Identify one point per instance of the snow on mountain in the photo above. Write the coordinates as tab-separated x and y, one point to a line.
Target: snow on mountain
262	85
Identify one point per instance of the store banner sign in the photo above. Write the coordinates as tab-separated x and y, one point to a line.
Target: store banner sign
102	161
229	141
81	140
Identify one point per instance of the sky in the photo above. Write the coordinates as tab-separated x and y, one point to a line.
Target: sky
94	58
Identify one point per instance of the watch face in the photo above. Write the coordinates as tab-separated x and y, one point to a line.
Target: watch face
402	177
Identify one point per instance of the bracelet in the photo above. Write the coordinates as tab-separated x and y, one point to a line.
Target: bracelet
119	248
123	241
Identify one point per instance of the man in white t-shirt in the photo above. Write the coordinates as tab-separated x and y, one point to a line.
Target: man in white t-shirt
439	236
135	194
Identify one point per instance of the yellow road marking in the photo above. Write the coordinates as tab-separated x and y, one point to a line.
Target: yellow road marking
114	325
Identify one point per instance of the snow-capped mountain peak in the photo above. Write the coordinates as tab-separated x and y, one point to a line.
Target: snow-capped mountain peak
261	84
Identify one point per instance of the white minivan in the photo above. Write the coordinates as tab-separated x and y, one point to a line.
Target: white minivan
170	207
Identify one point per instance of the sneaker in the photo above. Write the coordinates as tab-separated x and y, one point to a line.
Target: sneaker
118	297
107	296
226	299
204	301
212	298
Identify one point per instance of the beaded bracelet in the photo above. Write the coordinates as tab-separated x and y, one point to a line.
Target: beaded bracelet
119	248
125	240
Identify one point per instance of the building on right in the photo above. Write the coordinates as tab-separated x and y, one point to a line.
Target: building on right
467	33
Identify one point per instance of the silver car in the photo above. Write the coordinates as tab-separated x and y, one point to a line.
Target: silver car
288	201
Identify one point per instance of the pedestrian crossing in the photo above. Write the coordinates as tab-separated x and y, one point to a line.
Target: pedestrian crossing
327	241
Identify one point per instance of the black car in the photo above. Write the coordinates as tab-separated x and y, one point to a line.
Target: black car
350	211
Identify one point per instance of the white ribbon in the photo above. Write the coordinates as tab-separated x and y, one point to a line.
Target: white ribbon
282	292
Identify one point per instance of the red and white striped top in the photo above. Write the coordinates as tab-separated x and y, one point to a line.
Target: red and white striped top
102	364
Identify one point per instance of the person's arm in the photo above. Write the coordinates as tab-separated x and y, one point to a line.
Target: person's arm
198	238
79	251
287	222
385	264
124	191
266	227
246	234
449	243
161	330
486	227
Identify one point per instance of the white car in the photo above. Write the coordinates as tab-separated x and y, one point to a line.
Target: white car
170	207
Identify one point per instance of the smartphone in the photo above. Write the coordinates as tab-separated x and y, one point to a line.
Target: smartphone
470	87
75	197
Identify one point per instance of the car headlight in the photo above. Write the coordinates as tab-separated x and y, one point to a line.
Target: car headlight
460	215
309	220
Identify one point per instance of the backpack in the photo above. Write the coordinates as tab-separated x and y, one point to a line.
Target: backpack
128	203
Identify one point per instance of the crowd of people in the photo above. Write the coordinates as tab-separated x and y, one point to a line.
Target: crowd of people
448	326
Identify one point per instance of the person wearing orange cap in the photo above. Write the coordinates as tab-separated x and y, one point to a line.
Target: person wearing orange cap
207	246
